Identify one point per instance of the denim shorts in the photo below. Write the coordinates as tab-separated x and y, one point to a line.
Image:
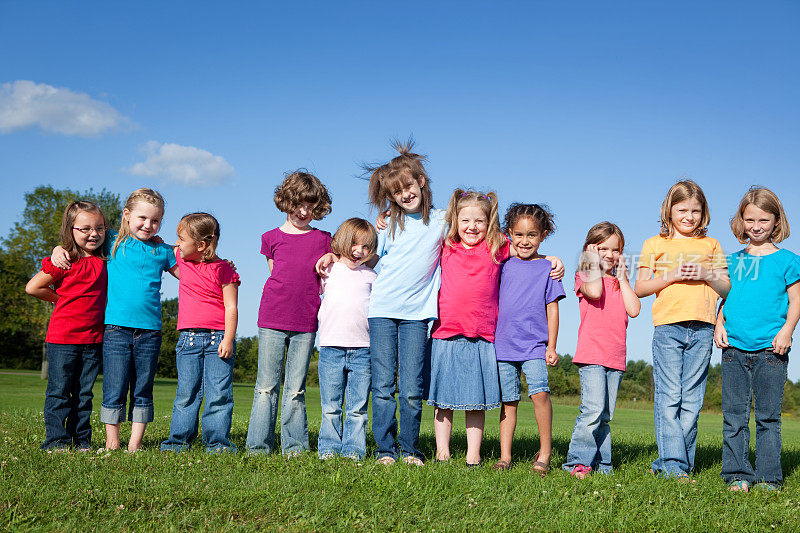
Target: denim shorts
510	378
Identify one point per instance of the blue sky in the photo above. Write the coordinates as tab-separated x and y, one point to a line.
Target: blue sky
592	108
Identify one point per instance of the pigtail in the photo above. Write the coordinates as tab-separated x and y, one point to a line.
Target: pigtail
451	217
494	234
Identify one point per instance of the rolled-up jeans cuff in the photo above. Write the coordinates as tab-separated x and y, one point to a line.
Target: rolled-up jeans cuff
112	415
142	413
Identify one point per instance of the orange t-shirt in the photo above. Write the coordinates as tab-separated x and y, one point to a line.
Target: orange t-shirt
683	300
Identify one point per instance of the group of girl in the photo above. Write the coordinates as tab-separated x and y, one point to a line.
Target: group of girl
483	293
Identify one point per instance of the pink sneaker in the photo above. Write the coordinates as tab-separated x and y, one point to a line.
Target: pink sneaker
581	471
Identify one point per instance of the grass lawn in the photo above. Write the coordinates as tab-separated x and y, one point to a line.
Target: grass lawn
155	491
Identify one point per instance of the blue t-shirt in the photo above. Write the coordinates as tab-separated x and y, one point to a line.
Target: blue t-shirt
756	307
525	290
407	286
134	282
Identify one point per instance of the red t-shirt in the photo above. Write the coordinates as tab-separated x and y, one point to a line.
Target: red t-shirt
601	335
80	309
200	301
469	291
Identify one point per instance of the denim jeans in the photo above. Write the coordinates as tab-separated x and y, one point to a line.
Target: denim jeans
202	372
130	358
681	354
344	374
273	344
746	375
590	444
72	371
397	349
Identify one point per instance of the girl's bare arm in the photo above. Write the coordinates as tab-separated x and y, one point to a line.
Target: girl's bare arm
39	286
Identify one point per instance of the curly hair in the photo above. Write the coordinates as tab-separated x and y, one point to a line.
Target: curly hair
539	213
300	187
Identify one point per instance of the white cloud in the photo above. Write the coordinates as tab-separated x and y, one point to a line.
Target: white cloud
185	164
25	104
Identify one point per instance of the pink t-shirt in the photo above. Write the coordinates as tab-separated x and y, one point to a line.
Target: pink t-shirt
601	335
200	303
345	303
469	291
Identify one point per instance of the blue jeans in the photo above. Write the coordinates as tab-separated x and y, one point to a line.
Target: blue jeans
273	344
130	358
590	444
72	371
398	349
744	375
344	374
202	372
681	354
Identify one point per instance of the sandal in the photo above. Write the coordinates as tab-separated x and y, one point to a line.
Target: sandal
539	467
770	487
581	471
501	465
410	460
739	485
386	460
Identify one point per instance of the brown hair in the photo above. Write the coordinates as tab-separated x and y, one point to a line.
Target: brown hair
349	234
680	192
202	227
488	203
68	221
139	195
300	187
597	234
538	213
387	178
768	201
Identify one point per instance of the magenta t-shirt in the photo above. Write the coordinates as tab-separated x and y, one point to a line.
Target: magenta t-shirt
290	300
469	291
604	323
525	290
200	301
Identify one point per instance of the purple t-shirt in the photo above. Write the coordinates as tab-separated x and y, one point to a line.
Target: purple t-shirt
290	300
525	290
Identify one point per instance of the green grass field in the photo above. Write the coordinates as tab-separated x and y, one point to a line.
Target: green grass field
155	491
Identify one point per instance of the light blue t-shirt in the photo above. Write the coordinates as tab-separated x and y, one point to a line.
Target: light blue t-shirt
756	307
134	282
407	286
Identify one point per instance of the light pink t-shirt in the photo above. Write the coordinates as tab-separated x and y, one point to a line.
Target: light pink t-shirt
343	313
601	335
200	303
469	292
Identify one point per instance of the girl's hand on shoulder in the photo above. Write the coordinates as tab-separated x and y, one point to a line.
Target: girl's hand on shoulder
324	262
225	348
557	271
380	222
782	342
721	336
158	240
60	258
551	357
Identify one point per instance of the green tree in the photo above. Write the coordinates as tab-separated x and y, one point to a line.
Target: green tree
167	366
24	319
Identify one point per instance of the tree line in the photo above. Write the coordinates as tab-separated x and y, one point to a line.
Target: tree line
23	319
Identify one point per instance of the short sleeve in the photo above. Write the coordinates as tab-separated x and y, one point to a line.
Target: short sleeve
381	249
580	279
327	242
504	252
268	245
554	291
718	259
647	259
171	255
793	270
227	274
53	271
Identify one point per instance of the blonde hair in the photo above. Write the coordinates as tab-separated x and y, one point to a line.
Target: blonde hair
680	192
488	203
597	234
202	227
349	234
303	187
67	223
385	179
148	196
768	201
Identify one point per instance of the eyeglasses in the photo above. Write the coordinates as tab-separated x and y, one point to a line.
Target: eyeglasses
87	230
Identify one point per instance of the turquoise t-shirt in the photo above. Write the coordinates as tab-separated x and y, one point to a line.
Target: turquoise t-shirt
134	282
407	286
756	307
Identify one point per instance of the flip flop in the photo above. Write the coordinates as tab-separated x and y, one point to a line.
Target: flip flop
539	467
501	465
